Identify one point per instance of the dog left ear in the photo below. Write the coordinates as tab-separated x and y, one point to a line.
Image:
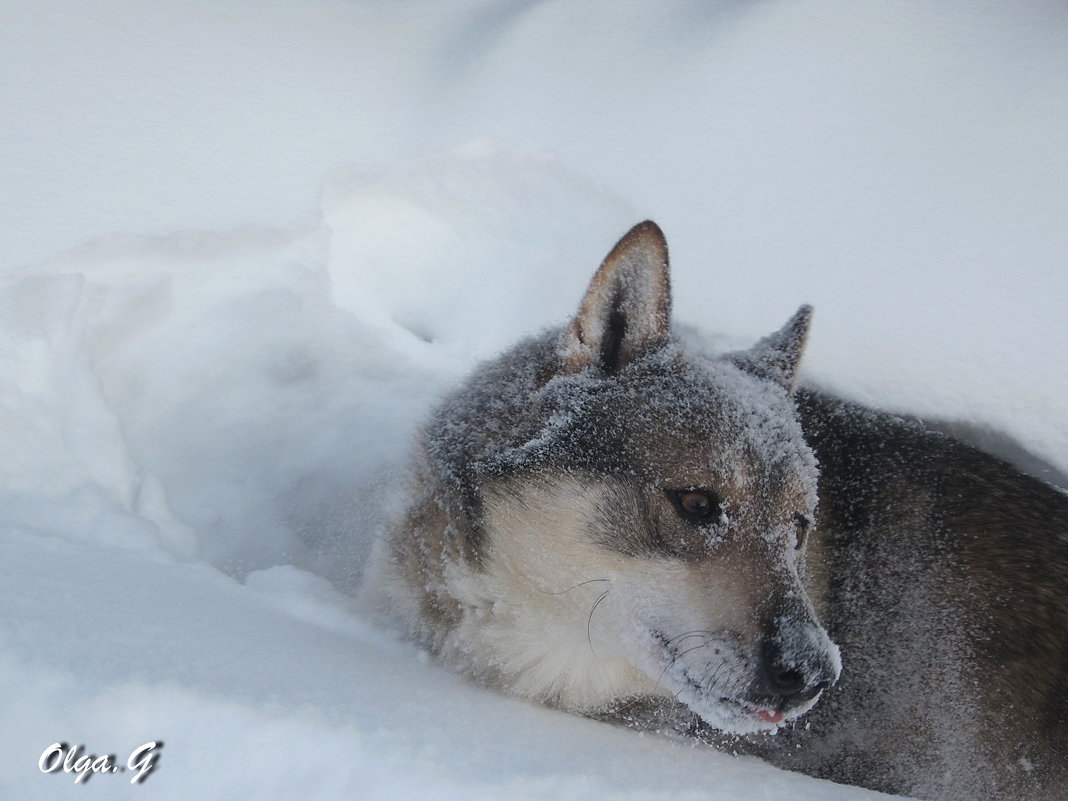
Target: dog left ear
627	308
776	357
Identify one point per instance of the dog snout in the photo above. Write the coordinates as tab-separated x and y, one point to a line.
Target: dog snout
790	677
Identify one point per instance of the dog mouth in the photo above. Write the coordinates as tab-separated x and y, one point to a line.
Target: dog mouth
746	709
772	716
738	715
731	712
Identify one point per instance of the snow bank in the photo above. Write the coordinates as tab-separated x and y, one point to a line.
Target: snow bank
291	699
247	244
204	430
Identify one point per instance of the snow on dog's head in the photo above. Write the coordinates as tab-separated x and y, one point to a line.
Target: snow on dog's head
601	515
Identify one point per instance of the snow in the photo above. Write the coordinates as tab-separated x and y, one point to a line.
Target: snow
248	243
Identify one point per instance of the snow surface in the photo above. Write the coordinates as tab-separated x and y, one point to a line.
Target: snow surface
247	243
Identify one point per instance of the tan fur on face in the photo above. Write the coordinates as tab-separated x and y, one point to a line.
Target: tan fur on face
554	615
530	612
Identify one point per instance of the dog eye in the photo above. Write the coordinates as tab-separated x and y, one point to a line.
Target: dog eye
696	505
802	524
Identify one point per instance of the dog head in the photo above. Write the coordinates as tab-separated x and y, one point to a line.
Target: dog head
664	503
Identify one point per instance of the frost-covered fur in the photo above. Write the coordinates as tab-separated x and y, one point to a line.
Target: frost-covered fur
549	548
546	549
945	582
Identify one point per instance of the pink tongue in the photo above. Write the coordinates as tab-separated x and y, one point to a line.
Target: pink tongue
769	716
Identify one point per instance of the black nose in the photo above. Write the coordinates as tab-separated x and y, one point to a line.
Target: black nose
785	681
792	681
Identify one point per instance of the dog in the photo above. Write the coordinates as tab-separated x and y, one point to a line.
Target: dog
608	520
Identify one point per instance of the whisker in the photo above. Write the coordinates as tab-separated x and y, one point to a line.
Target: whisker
662	672
589	620
569	589
709	641
711	676
689	650
695	633
675	653
711	681
676	657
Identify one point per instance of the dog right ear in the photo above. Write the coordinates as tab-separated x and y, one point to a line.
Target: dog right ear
776	357
627	309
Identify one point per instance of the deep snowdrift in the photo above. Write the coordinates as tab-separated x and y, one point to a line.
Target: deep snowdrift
208	379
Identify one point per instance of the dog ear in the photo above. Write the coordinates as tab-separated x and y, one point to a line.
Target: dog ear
777	356
627	309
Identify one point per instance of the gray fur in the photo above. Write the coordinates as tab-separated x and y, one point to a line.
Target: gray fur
947	587
545	510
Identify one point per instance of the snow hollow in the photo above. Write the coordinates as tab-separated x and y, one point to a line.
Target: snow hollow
247	244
